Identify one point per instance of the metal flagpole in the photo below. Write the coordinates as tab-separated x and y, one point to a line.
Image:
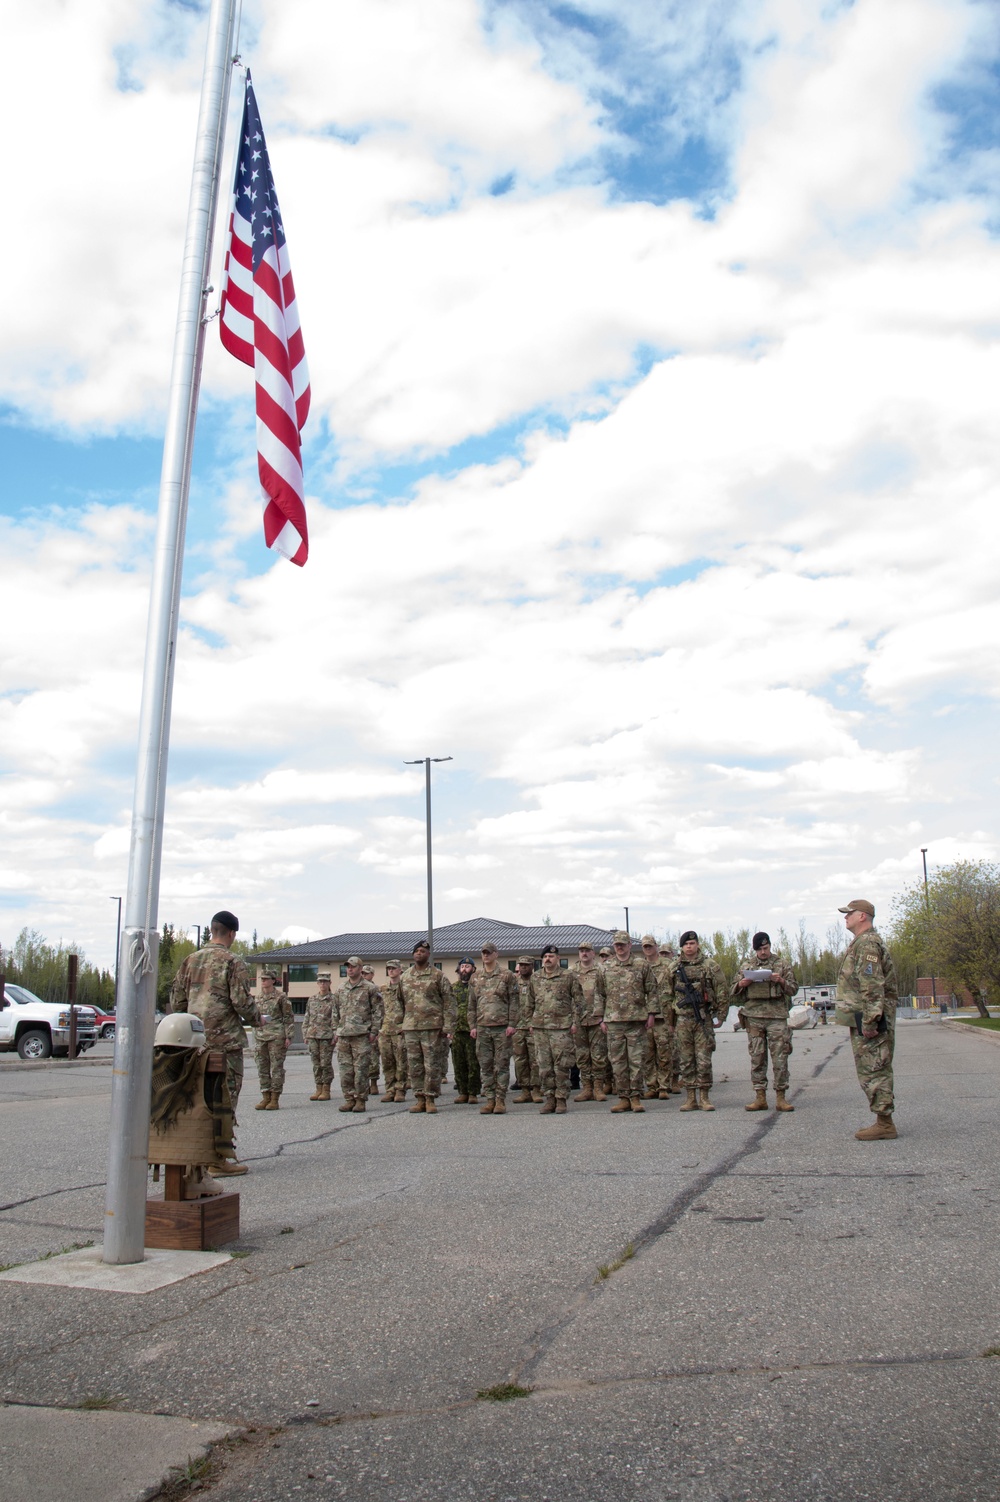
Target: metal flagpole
125	1203
430	876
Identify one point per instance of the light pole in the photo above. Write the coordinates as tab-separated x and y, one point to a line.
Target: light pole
425	762
627	929
118	943
927	901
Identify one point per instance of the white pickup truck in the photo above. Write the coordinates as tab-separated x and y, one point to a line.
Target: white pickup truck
38	1028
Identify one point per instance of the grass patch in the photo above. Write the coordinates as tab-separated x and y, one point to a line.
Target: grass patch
236	1256
607	1268
503	1392
74	1246
992	1351
993	1023
97	1402
286	1230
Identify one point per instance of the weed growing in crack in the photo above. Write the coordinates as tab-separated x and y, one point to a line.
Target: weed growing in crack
503	1392
607	1268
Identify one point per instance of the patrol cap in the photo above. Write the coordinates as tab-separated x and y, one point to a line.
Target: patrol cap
584	944
688	933
666	949
647	939
354	959
393	965
526	959
323	975
858	905
489	947
604	952
621	937
761	938
368	969
268	975
226	919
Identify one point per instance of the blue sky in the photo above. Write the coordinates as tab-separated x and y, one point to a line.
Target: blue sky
650	465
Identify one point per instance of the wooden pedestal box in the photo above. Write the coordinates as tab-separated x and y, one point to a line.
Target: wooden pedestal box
193	1225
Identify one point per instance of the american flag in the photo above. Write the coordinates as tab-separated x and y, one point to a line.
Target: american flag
259	324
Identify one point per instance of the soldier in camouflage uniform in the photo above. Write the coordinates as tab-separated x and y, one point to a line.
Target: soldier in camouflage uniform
554	995
764	1013
696	977
658	1061
463	1046
317	1030
667	953
391	1044
494	1004
214	985
591	1042
866	1003
629	1010
357	1017
525	1063
428	1018
272	1040
368	973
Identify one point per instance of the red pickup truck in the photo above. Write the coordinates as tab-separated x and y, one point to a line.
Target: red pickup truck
105	1023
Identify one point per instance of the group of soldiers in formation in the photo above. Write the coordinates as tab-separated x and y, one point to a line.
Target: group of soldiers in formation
635	1026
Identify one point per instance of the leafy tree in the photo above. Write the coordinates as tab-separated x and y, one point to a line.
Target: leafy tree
954	928
44	969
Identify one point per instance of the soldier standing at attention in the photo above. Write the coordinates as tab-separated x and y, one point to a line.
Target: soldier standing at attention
493	1011
463	1046
317	1030
273	1039
866	1003
391	1045
629	1012
700	1002
667	953
658	1070
368	972
357	1017
764	1014
591	1042
428	1017
215	985
525	1063
553	997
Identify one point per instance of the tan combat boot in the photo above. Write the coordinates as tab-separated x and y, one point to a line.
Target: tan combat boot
461	1100
488	1109
759	1102
272	1104
780	1103
587	1093
264	1102
499	1106
704	1104
549	1108
317	1093
324	1093
524	1099
624	1104
389	1095
663	1094
473	1100
229	1167
560	1107
536	1096
399	1097
635	1104
418	1105
373	1086
429	1105
599	1092
348	1104
691	1104
882	1129
361	1104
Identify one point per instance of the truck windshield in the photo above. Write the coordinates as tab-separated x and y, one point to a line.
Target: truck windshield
21	995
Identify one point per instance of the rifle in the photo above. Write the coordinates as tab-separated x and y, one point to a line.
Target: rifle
692	999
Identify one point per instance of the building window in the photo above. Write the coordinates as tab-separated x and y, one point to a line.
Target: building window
302	972
564	964
343	972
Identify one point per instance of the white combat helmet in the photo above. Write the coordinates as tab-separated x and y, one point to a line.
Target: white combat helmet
181	1030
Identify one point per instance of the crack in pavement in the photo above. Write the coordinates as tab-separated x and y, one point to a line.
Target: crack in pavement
544	1339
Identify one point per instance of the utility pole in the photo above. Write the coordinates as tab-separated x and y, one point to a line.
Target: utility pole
425	762
627	929
927	902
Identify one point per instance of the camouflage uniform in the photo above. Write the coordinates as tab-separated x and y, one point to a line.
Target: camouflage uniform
867	984
658	1066
591	1042
390	1040
463	1047
696	1041
552	1003
428	1014
368	974
215	985
317	1030
523	1046
764	1013
357	1016
630	986
272	1040
493	1008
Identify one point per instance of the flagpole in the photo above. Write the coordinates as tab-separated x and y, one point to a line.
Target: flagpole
125	1203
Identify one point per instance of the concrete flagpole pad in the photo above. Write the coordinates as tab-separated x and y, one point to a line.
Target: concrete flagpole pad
87	1269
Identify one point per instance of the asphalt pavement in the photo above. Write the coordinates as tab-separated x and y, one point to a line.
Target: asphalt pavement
787	1313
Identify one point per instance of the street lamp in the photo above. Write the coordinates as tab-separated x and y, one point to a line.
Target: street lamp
425	762
927	901
118	943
